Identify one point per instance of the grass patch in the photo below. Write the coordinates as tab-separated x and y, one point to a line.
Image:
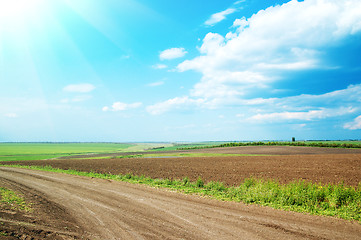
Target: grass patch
10	199
331	200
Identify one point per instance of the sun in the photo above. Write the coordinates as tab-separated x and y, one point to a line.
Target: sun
17	10
13	8
18	18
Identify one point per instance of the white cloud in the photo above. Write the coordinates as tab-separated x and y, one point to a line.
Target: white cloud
308	115
344	97
159	66
301	107
172	53
11	115
240	23
155	84
240	1
260	50
226	84
218	17
290	37
80	88
175	103
354	125
119	106
105	108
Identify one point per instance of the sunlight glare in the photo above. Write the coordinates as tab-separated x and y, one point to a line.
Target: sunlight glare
12	9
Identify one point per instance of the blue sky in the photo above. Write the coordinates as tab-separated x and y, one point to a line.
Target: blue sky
142	70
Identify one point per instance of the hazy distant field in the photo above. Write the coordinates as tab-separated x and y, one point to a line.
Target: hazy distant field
39	151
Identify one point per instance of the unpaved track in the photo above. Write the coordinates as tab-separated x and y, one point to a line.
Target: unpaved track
116	210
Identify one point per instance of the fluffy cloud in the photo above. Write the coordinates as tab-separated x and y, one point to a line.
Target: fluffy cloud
356	124
119	106
279	39
308	115
79	88
306	107
239	67
220	16
159	66
172	53
175	103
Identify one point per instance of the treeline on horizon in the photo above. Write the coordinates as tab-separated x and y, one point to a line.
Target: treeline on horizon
274	143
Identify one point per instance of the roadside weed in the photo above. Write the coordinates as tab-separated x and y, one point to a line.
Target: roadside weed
12	200
199	182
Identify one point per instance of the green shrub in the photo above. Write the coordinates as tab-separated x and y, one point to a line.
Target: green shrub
200	183
185	181
216	186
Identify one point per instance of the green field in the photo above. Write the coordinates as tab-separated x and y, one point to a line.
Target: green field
39	151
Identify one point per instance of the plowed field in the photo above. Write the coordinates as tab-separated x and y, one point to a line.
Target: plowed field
323	165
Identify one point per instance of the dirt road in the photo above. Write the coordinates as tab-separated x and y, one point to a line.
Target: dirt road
101	209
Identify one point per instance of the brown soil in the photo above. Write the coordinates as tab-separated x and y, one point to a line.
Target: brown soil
116	210
45	220
322	165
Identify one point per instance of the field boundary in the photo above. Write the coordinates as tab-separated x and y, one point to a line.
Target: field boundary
296	144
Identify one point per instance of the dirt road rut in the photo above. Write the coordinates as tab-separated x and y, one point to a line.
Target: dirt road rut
116	210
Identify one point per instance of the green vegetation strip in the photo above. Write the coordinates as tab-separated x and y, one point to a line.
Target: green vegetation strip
331	144
300	196
13	200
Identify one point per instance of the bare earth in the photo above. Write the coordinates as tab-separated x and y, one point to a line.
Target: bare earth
323	165
72	207
100	209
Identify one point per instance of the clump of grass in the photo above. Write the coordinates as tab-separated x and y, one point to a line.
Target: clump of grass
186	181
332	200
200	183
10	199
